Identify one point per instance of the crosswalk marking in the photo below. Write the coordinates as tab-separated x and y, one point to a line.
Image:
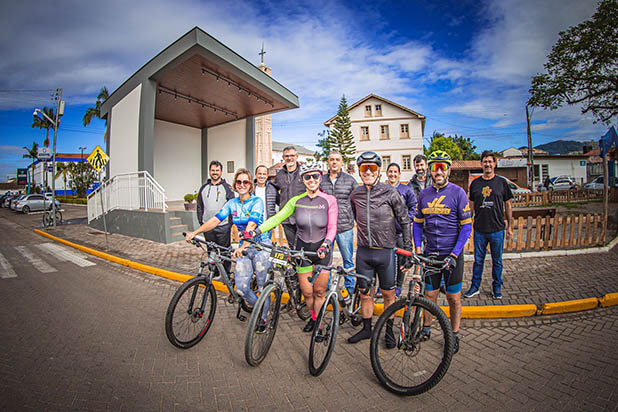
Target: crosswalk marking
63	254
35	261
7	270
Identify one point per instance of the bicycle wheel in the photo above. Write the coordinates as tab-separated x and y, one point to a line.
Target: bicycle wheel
413	366
47	220
324	336
263	324
58	217
190	313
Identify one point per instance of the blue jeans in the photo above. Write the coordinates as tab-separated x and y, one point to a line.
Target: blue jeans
255	262
345	243
496	244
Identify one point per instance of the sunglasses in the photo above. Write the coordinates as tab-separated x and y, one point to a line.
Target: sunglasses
434	167
243	183
372	167
314	176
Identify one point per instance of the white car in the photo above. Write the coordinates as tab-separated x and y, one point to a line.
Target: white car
516	189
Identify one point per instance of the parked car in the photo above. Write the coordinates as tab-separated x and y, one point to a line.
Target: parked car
14	200
6	202
4	197
516	189
595	184
34	202
563	183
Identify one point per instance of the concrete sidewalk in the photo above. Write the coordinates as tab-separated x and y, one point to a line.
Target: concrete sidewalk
528	281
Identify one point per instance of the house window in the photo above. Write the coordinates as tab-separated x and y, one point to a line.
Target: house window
384	132
386	160
545	169
378	110
536	172
230	166
364	133
405	134
368	111
406	162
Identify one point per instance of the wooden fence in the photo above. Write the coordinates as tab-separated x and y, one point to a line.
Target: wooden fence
549	233
556	196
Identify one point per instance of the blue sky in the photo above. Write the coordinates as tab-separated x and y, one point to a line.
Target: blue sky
466	65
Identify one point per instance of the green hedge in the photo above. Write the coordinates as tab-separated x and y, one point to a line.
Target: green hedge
71	199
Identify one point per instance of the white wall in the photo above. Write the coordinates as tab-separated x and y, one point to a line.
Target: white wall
566	166
177	158
396	146
124	132
227	143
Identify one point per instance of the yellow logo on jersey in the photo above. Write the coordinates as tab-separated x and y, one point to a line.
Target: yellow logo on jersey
467	208
436	207
486	191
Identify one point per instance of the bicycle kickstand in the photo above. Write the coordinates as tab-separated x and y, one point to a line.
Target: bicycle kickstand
239	316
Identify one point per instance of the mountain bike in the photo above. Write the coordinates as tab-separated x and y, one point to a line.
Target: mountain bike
266	311
328	320
193	306
418	361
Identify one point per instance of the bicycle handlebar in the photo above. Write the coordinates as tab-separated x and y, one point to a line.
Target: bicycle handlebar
340	271
196	241
419	258
291	252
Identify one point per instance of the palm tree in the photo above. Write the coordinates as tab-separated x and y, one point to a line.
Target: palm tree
63	169
32	154
43	123
96	110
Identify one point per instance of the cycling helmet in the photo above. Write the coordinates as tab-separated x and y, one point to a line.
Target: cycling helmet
369	157
310	167
439	156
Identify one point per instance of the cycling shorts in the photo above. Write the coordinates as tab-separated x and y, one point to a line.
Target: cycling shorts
452	278
306	264
370	262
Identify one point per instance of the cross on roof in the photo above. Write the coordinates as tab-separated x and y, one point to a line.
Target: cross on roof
262	53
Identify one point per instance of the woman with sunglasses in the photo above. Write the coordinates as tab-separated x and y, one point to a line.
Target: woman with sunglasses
376	207
247	212
315	213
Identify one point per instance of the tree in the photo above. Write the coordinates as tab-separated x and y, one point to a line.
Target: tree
445	144
467	147
324	145
96	110
582	67
340	137
82	176
42	123
62	169
32	154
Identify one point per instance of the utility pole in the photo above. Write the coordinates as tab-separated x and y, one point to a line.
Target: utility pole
59	97
81	165
530	157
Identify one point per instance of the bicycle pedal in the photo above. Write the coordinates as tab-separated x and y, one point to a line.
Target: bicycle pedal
230	299
242	318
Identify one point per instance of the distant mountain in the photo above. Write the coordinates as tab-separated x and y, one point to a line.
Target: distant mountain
565	146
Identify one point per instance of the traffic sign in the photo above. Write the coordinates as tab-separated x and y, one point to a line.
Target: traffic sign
44	153
98	158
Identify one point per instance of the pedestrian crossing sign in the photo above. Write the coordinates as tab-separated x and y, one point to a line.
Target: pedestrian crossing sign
98	158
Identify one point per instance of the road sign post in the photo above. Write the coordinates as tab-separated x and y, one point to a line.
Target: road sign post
98	158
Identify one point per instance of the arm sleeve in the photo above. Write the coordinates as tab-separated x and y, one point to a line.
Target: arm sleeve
256	212
285	212
200	206
225	211
465	220
411	204
333	212
417	226
508	194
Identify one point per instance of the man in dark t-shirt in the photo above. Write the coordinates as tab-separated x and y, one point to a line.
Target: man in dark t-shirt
490	197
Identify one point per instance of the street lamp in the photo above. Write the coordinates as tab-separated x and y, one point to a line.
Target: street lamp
59	112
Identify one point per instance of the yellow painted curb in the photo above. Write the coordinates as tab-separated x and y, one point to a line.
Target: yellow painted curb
611	299
480	312
569	306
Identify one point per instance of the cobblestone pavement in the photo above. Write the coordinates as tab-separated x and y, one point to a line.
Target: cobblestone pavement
92	338
528	280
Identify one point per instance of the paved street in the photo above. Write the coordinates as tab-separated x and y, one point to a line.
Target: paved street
79	333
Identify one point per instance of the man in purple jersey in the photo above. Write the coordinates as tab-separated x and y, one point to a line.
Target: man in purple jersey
443	215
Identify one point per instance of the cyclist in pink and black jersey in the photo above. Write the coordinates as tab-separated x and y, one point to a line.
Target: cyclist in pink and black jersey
315	213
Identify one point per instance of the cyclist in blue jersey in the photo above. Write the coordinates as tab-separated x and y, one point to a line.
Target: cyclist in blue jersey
443	215
247	212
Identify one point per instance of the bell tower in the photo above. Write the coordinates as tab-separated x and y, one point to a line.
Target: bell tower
263	127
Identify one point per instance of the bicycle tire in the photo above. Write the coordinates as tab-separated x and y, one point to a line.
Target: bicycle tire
326	326
47	219
434	354
257	344
178	319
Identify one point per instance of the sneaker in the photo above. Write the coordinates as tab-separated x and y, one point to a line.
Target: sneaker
497	293
397	291
473	291
425	333
320	337
309	326
361	335
456	346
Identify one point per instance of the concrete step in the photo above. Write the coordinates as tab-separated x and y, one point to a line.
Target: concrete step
175	220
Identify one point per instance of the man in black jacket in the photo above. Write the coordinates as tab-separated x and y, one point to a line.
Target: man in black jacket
289	184
421	179
340	185
211	198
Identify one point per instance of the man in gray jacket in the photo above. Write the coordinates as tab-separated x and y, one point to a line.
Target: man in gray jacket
340	185
289	184
211	198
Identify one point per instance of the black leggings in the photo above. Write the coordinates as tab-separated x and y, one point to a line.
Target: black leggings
370	262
